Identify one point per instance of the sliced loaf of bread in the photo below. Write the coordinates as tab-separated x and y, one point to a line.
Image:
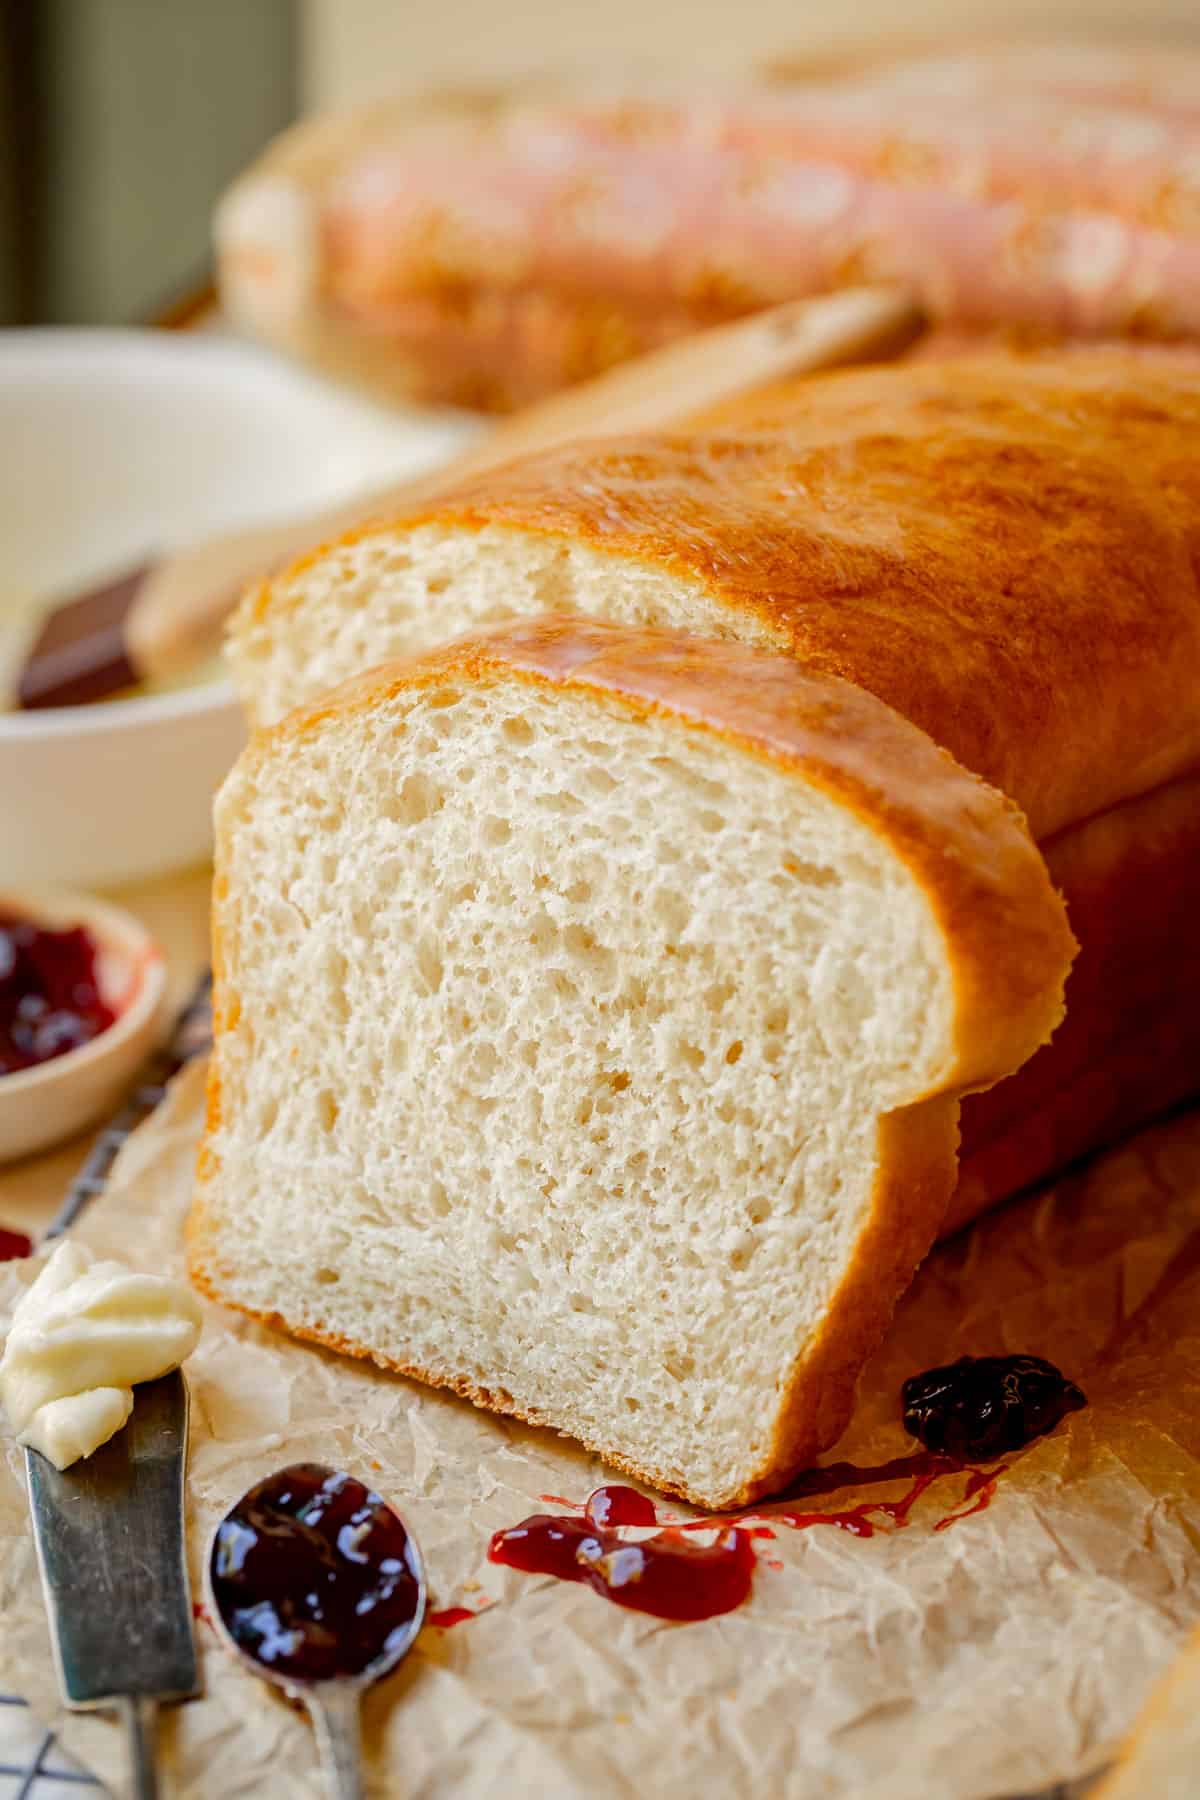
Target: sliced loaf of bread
1004	549
592	1008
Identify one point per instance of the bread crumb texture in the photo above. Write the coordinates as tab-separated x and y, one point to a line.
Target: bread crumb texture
553	1047
384	594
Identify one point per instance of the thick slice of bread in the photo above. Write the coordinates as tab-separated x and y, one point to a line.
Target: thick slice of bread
592	1009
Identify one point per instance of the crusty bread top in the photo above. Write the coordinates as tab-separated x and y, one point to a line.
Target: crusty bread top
1005	549
967	845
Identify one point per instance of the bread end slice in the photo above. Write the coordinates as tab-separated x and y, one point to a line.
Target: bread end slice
592	1009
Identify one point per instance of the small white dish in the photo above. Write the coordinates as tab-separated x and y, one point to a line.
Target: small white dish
42	1105
120	444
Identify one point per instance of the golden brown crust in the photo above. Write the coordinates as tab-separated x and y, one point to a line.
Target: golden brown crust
303	161
485	347
1004	549
449	213
966	847
917	1168
1129	1047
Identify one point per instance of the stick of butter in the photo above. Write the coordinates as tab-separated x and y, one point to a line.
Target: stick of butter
81	1337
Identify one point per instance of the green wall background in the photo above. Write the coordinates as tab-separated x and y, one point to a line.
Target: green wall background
143	111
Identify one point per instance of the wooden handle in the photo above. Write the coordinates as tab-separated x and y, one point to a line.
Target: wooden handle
181	608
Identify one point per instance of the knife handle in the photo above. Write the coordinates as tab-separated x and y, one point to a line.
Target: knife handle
139	1714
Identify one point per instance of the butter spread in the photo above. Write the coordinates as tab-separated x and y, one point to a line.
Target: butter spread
80	1338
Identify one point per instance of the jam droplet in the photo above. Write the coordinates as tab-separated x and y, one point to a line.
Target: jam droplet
978	1495
49	996
449	1616
13	1245
864	1519
983	1406
666	1576
314	1574
616	1505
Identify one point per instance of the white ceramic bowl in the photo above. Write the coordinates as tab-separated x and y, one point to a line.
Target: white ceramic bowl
42	1105
118	444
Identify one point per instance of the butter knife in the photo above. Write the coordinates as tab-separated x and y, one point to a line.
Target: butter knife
109	1534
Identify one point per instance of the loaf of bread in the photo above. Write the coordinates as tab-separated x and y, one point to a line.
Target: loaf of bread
592	1008
1160	1759
1005	550
490	249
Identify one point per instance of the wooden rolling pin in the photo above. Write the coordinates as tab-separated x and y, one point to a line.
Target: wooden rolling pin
159	620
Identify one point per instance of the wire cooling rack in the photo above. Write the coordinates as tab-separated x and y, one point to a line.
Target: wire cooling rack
32	1764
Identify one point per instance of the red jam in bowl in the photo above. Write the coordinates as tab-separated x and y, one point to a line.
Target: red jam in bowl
14	1245
49	993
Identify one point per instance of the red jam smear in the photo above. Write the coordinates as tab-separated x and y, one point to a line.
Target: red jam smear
314	1575
980	1491
992	1404
665	1576
14	1245
670	1578
450	1616
49	994
866	1518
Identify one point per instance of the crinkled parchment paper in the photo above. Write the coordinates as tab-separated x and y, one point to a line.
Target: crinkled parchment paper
993	1656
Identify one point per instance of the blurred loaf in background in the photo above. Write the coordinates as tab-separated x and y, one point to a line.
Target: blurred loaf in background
487	248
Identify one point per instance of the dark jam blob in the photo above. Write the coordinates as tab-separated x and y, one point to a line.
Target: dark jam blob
49	998
984	1406
314	1574
14	1244
667	1576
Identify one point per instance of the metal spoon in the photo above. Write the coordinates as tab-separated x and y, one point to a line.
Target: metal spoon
333	1703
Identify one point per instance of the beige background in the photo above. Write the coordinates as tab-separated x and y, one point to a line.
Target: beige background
356	49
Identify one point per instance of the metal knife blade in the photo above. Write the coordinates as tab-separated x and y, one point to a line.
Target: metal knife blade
109	1534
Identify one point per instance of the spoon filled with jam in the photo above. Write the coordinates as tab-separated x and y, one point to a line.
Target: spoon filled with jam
318	1584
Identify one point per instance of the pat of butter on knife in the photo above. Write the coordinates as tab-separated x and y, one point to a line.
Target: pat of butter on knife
81	1338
